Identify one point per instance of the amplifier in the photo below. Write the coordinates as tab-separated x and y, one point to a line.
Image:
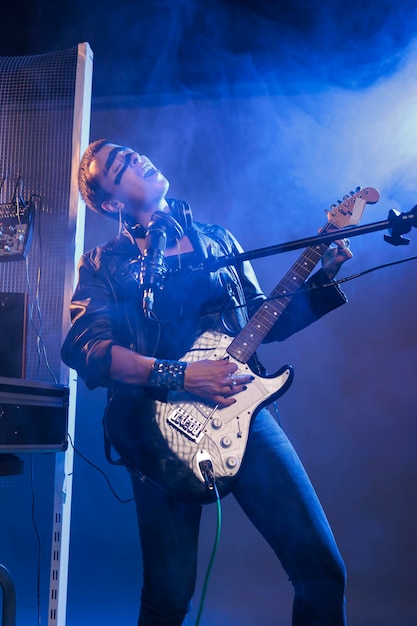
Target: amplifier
33	416
13	327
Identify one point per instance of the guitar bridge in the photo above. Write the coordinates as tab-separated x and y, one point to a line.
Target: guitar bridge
186	424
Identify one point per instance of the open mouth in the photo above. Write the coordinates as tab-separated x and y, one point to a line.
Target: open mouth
150	172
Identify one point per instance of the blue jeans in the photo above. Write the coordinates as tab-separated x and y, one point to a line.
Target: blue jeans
275	493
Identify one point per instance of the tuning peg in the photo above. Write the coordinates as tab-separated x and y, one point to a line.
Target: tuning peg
346	197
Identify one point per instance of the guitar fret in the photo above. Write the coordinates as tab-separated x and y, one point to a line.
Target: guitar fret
301	269
256	330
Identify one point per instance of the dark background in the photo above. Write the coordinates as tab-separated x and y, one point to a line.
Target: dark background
162	47
262	114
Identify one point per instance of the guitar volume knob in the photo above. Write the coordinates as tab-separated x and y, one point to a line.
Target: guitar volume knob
226	442
217	423
231	462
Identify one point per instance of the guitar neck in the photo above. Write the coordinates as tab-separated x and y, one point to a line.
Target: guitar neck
250	338
342	215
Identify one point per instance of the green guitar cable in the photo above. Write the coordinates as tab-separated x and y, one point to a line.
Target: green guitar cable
212	557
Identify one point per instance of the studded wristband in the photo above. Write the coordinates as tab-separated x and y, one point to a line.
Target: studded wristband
168	374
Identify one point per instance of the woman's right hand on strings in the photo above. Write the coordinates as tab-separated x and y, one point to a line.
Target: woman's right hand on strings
217	381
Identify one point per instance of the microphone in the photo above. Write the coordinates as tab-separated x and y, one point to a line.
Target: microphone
153	266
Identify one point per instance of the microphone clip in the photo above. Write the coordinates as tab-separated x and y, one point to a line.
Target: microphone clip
400	223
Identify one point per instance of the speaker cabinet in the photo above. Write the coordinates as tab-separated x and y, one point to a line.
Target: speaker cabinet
13	308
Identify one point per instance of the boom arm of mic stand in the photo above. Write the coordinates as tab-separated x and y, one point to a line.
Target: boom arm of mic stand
397	224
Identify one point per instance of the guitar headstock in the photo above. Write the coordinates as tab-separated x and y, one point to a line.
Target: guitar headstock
349	211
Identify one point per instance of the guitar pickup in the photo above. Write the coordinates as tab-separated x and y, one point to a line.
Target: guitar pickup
186	424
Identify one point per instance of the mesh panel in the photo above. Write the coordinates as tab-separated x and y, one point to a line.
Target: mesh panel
36	123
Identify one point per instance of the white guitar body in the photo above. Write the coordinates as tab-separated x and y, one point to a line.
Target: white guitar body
196	432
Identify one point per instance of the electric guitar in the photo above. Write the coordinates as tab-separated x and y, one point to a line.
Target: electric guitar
186	443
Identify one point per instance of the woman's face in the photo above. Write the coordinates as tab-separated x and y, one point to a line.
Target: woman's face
131	179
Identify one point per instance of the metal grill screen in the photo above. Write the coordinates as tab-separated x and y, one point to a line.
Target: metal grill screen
36	147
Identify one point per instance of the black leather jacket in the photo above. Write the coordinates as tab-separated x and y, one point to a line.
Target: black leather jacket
106	305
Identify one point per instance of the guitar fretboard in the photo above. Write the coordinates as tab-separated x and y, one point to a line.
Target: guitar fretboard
251	337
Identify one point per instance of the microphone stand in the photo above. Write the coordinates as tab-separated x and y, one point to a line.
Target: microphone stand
397	224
